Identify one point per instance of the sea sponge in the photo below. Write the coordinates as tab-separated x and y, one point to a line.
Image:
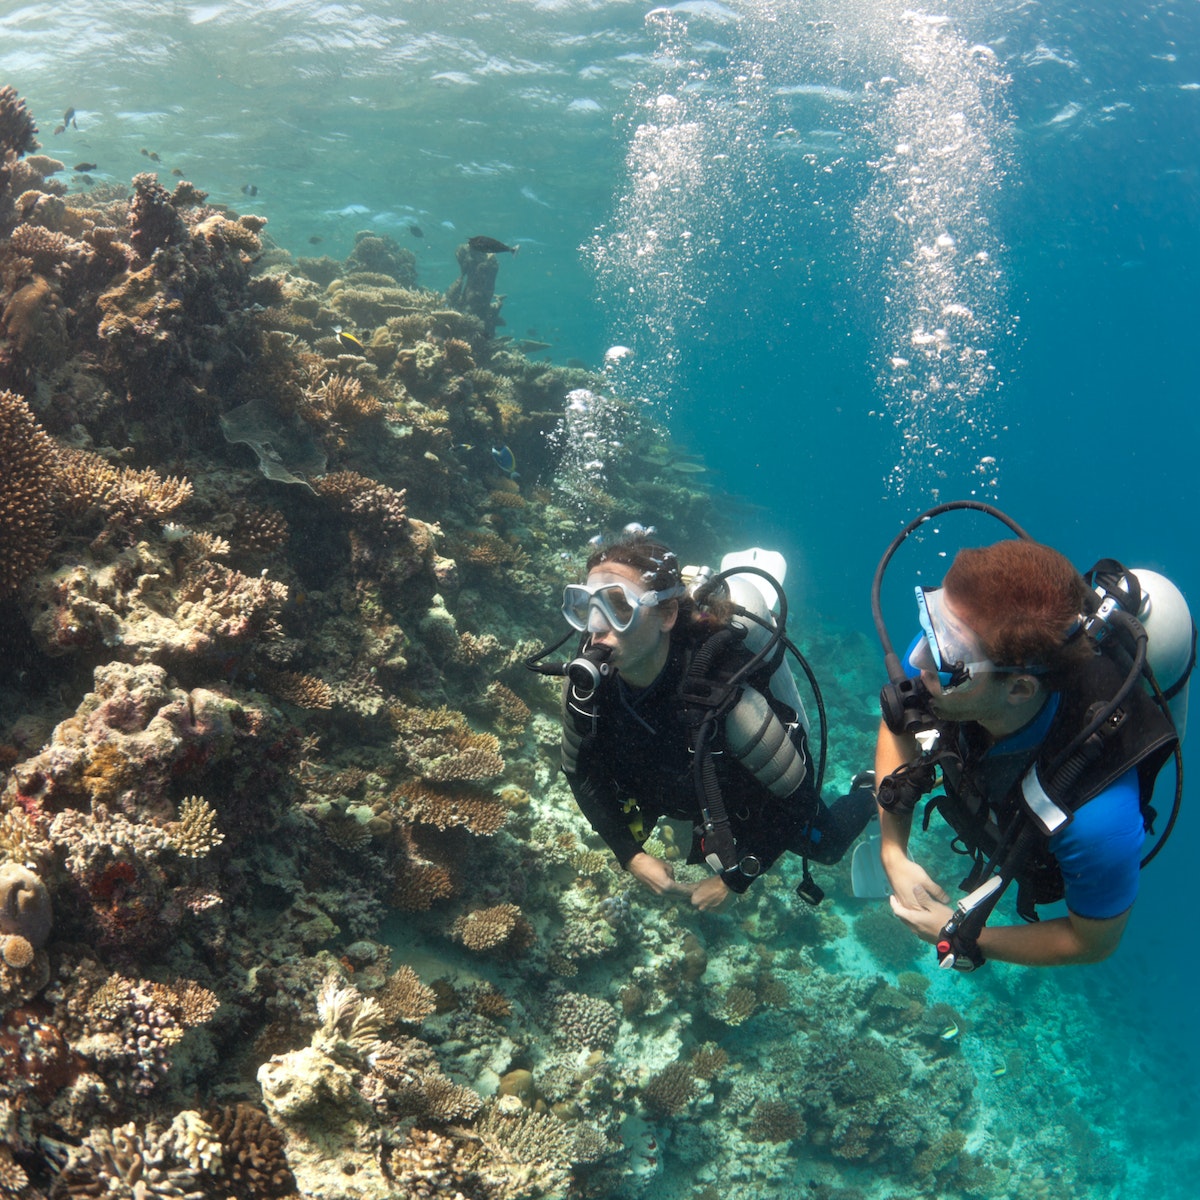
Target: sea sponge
25	908
28	461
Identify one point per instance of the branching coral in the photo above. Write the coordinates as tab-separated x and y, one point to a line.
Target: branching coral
581	1021
304	691
376	506
253	1162
27	469
88	482
195	834
447	806
439	745
670	1091
404	998
502	929
18	133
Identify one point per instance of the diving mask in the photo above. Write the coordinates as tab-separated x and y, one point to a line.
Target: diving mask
611	605
951	648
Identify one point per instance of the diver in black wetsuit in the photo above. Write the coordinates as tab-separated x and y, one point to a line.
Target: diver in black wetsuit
628	755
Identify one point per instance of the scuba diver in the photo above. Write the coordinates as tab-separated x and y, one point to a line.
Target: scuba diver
1033	690
679	704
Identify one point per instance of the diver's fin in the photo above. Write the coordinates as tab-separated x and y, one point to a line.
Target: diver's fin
867	875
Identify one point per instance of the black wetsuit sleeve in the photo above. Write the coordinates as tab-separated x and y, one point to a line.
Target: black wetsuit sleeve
599	801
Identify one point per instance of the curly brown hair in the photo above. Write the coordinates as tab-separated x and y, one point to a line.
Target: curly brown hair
1024	600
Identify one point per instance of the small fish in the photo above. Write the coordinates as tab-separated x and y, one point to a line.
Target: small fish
505	460
315	240
489	245
463	447
85	166
416	231
69	118
249	189
151	155
348	340
177	172
950	1032
59	129
998	1071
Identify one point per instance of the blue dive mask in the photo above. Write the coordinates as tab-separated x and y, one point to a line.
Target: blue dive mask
952	649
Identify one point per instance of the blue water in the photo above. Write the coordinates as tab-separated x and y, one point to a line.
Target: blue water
751	196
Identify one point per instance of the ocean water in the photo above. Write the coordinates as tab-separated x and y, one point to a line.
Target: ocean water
866	257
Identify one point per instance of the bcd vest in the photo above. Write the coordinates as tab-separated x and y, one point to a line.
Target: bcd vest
983	791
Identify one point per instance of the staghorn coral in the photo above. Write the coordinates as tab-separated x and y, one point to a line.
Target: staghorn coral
405	999
735	1005
669	1092
195	834
27	469
87	482
527	1152
21	841
776	1121
446	806
341	398
510	712
501	929
709	1061
439	745
304	691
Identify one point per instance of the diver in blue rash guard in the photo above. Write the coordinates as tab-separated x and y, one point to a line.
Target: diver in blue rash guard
629	758
1011	679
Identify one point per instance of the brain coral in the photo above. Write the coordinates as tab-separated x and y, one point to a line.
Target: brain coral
27	467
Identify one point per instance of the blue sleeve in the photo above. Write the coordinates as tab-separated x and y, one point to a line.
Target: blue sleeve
1100	851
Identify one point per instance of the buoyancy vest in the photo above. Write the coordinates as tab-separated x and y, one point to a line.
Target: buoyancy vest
754	728
983	794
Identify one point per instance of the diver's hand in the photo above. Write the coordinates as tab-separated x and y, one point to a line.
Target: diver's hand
925	916
711	895
906	877
655	874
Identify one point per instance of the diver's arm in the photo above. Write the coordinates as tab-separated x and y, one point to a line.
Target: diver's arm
1060	942
906	877
597	798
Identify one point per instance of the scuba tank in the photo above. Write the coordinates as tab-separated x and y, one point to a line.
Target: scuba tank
1161	608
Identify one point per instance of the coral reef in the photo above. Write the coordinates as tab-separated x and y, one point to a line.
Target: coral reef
270	762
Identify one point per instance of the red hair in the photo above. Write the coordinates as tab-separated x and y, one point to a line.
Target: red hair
1023	599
